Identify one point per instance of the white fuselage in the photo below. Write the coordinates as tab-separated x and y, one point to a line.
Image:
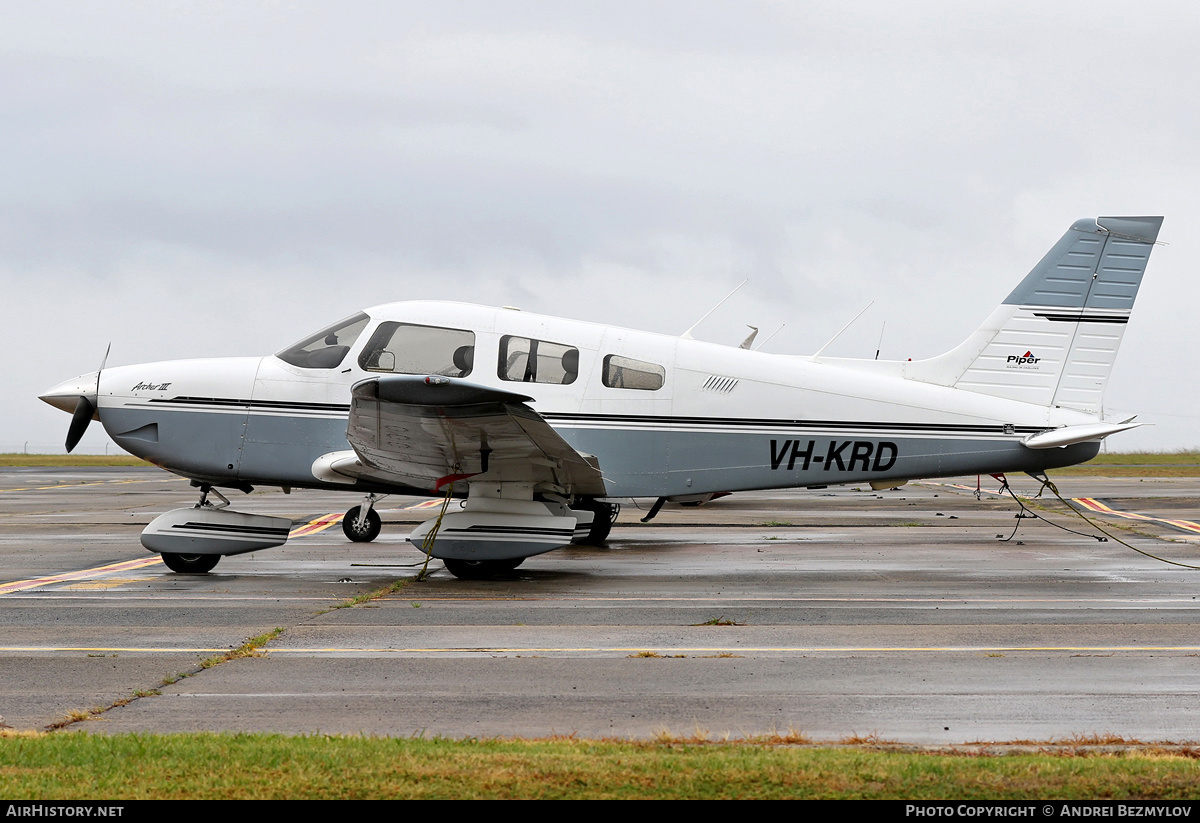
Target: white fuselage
723	419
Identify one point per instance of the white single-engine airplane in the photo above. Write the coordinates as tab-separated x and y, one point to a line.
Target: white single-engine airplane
539	421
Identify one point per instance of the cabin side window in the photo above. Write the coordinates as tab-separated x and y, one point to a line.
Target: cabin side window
626	373
404	348
523	360
327	348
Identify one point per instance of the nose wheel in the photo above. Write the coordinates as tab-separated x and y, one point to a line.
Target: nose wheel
361	527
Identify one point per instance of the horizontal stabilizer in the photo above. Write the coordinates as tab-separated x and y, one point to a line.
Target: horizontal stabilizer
1069	435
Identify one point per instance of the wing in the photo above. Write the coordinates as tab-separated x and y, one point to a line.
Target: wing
428	431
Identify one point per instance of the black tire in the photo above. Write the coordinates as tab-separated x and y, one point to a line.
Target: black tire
481	569
190	563
370	528
602	521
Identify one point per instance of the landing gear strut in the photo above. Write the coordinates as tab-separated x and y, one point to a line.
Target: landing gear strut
205	491
362	523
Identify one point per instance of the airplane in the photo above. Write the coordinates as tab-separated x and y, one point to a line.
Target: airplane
534	425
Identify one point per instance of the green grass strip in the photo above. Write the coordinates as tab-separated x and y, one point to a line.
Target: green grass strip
74	460
85	766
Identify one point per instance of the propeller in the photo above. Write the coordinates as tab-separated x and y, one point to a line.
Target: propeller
85	409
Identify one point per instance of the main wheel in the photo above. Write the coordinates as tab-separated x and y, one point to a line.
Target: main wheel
190	563
370	529
604	515
481	569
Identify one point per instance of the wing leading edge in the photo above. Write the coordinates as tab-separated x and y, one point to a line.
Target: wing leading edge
429	431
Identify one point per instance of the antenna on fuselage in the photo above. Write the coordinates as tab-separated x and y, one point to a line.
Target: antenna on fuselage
879	347
839	334
769	336
687	335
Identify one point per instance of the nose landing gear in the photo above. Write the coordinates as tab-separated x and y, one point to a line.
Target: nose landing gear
362	523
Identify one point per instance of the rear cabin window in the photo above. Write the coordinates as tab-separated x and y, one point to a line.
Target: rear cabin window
404	348
523	360
327	348
627	373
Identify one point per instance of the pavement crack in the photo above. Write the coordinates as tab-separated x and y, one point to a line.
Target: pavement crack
250	648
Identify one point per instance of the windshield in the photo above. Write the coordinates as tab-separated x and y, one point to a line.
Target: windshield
327	348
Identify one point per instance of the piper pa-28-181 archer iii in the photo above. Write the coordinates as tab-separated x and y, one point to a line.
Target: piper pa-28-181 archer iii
539	422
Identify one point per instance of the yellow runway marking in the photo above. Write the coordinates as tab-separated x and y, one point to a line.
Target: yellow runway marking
83	574
424	504
111	649
312	527
319	524
663	650
104	583
89	483
1092	504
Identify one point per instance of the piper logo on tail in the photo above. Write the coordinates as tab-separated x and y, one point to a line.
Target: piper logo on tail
1026	360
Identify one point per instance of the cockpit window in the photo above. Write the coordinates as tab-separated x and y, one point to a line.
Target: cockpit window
327	348
402	348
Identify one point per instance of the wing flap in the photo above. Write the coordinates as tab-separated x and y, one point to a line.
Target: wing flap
423	431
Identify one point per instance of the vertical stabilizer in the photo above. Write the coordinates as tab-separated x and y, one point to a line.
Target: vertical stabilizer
1054	339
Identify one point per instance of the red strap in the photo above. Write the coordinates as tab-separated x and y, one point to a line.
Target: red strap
452	478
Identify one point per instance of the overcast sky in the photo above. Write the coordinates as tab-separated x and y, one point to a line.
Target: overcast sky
200	179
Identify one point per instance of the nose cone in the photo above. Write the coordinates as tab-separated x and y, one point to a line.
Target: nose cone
66	394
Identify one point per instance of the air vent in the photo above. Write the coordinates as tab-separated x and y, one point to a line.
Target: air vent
720	385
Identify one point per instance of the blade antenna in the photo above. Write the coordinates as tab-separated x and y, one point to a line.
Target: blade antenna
839	334
687	335
769	336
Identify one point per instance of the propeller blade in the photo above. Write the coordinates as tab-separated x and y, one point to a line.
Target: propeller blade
102	364
79	422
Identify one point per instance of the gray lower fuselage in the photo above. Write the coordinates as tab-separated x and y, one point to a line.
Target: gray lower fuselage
227	443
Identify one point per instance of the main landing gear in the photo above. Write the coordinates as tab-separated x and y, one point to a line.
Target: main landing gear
197	563
193	541
362	523
603	517
481	569
190	563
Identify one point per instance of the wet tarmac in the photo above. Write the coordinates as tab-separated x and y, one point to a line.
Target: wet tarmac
836	613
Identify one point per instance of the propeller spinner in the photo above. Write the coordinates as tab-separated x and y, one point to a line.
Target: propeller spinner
80	396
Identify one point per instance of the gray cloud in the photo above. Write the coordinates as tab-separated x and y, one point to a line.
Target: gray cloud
220	178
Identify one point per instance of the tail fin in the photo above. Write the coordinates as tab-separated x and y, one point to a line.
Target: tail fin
1054	339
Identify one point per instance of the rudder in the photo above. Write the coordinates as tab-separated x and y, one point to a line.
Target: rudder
1054	339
